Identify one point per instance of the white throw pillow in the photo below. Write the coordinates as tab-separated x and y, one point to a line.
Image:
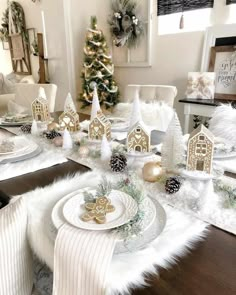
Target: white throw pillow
16	272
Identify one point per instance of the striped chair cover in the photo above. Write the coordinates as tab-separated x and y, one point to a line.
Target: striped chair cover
16	273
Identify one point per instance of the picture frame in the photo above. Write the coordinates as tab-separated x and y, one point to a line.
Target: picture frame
223	63
5	44
212	35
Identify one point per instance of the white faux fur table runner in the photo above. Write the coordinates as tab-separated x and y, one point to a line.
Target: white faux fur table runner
126	270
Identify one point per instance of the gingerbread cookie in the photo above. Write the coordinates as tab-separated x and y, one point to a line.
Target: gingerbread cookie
98	210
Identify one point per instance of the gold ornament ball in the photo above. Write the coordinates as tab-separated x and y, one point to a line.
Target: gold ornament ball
152	171
83	151
53	126
58	141
106	82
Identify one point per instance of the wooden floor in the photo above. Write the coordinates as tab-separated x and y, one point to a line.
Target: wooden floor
210	269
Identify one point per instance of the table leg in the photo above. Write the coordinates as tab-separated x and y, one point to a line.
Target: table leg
186	123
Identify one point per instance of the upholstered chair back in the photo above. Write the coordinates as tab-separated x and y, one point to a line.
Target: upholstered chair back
151	93
26	93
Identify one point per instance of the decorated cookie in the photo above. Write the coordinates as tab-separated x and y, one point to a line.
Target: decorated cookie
97	211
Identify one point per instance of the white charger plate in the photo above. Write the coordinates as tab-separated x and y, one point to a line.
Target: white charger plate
147	206
125	209
151	227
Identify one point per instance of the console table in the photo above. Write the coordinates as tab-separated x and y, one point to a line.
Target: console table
200	107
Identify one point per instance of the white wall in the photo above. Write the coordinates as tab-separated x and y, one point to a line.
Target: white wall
56	40
5	59
173	56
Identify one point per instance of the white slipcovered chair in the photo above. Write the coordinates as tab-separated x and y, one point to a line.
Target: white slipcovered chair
156	104
151	93
26	93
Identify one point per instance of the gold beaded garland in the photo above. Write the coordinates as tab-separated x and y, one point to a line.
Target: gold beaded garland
152	171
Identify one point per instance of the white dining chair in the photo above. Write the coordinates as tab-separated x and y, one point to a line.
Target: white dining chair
156	102
150	93
26	93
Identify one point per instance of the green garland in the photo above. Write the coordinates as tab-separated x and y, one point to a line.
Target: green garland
230	191
126	28
130	185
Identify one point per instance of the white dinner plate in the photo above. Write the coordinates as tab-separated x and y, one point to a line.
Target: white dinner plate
29	148
57	211
19	145
125	209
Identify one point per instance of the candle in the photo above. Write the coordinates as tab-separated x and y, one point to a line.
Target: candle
44	36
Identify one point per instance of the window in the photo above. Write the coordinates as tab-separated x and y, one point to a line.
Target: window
201	149
169	24
201	137
170	12
138	130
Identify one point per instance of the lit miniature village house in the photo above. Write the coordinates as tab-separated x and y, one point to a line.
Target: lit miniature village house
70	120
40	110
99	126
200	150
138	139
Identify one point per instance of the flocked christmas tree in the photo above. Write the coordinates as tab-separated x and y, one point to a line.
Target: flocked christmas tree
98	70
172	152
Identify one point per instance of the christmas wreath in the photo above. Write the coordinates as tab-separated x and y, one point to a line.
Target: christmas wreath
18	21
126	28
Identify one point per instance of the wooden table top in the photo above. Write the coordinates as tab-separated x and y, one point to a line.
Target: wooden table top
208	269
209	102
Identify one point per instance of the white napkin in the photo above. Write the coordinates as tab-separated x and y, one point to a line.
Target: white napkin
81	261
15	108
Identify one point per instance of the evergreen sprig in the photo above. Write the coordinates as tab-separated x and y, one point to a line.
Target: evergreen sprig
131	186
228	190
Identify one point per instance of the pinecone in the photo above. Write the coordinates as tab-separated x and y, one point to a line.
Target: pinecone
26	128
172	185
52	134
118	162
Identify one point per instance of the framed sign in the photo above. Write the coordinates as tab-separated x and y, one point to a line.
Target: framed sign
19	49
213	35
223	63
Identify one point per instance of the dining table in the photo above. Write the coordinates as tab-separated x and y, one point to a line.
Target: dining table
209	268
